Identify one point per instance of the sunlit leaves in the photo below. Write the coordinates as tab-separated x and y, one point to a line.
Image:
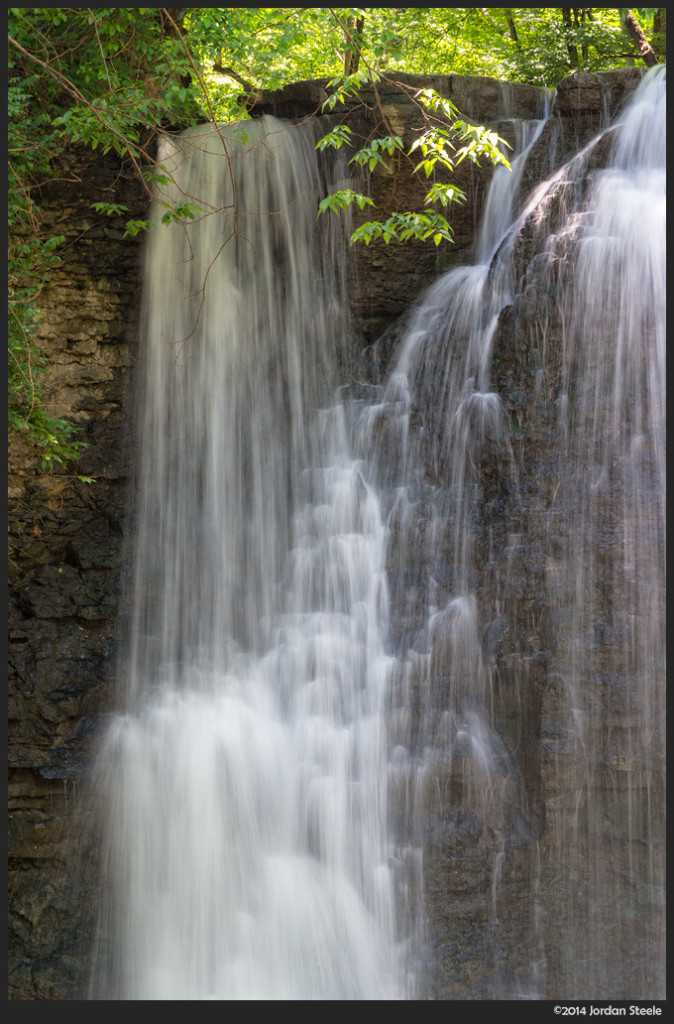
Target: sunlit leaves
342	199
481	142
342	87
437	145
444	194
402	227
437	104
336	138
372	155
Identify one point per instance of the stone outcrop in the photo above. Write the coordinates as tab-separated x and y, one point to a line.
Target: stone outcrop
66	537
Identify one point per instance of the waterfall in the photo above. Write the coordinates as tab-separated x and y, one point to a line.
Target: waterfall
524	420
393	707
244	783
608	598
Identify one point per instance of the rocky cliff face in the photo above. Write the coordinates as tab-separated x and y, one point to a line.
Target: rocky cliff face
66	542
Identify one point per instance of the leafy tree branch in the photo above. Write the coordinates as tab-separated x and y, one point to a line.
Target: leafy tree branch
117	79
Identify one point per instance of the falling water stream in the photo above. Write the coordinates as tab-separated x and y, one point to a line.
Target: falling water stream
528	585
267	785
247	780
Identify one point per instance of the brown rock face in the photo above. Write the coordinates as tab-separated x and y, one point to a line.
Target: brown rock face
605	92
65	541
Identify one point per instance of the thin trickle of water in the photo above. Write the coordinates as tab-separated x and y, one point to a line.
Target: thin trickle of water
244	786
499	211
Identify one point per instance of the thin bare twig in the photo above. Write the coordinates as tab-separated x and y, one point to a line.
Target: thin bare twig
100	47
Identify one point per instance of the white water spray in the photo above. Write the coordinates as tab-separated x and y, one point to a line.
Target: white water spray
245	785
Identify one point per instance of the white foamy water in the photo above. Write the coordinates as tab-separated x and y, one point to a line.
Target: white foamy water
245	784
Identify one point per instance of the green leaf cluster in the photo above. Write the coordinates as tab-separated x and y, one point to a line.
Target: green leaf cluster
437	145
268	47
372	155
109	78
401	227
342	199
103	78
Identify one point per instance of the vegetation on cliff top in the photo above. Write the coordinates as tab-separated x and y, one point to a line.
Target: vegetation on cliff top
114	78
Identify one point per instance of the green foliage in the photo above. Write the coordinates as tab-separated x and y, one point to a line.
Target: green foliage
101	78
348	85
444	194
30	260
335	138
108	78
401	227
133	226
342	199
267	47
242	49
110	209
372	155
437	145
180	213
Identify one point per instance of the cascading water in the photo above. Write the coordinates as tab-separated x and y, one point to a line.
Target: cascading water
442	424
525	417
245	785
608	598
446	655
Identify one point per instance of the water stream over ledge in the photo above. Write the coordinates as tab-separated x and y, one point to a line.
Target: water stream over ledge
394	707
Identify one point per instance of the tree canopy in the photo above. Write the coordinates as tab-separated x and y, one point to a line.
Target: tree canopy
248	48
114	78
